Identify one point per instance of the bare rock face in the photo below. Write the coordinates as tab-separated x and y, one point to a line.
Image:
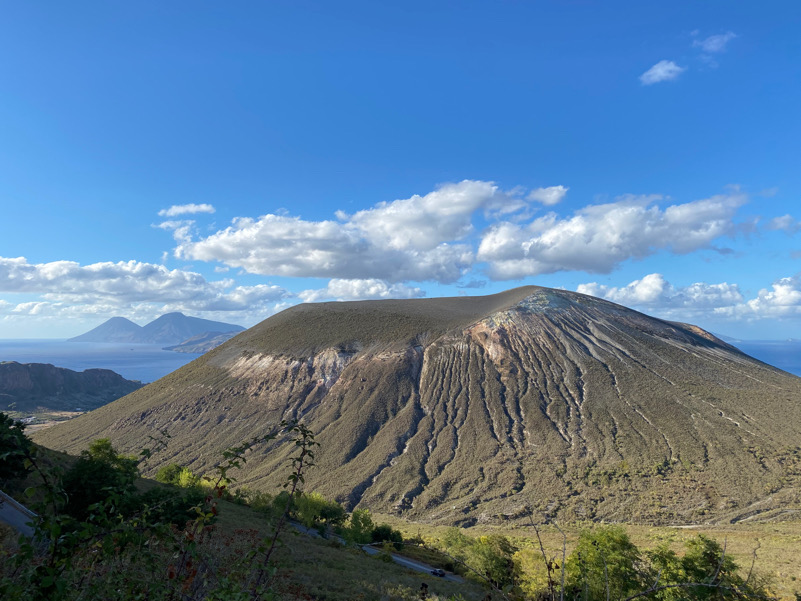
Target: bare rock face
41	386
532	402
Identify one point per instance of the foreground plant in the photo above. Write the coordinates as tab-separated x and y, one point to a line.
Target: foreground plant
97	538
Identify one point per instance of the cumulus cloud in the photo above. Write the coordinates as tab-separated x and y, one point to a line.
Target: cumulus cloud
782	299
370	289
419	238
715	44
432	237
114	286
548	196
653	291
188	209
725	301
664	70
598	238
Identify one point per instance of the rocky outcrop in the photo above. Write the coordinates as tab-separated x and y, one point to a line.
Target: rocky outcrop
532	402
43	387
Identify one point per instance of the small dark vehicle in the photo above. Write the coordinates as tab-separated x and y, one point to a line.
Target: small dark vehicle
438	572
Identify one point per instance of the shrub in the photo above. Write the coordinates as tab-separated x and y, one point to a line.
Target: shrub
112	555
13	447
168	474
604	559
493	556
313	509
385	533
360	528
100	474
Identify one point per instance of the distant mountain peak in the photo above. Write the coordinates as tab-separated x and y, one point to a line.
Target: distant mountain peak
170	328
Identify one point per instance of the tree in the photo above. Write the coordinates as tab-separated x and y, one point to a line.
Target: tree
360	529
604	565
493	556
313	509
14	446
385	533
99	474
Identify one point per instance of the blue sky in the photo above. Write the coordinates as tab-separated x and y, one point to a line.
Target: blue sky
231	160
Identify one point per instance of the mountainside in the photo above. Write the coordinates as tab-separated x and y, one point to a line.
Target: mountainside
202	343
116	329
41	386
171	328
530	402
174	328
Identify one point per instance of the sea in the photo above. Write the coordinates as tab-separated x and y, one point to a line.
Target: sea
149	362
144	362
784	354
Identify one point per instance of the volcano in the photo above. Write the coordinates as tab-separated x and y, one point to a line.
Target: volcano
533	402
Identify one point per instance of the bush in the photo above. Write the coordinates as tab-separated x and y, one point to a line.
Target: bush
493	556
13	447
169	507
168	474
604	559
114	555
385	533
313	509
360	528
100	474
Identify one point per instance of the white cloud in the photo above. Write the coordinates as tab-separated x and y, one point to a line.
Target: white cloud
710	302
432	237
715	43
664	70
654	292
598	238
113	287
418	238
782	299
785	223
188	209
181	228
346	290
548	196
31	308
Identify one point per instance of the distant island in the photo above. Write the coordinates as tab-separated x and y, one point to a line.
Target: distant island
202	343
179	331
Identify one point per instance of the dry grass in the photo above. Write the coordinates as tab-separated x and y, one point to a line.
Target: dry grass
774	547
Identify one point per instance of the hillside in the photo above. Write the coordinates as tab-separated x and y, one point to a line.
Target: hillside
116	329
41	386
202	343
171	328
478	409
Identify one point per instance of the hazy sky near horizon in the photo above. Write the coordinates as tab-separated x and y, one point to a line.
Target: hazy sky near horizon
230	160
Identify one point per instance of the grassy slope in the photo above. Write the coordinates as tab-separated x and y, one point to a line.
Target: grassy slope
777	546
329	572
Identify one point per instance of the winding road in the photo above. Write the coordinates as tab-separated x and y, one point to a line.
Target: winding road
411	564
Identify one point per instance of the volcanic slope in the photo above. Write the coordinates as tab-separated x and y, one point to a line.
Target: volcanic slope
463	410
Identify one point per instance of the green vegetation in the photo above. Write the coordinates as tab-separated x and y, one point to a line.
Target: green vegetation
97	538
605	564
117	542
13	446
